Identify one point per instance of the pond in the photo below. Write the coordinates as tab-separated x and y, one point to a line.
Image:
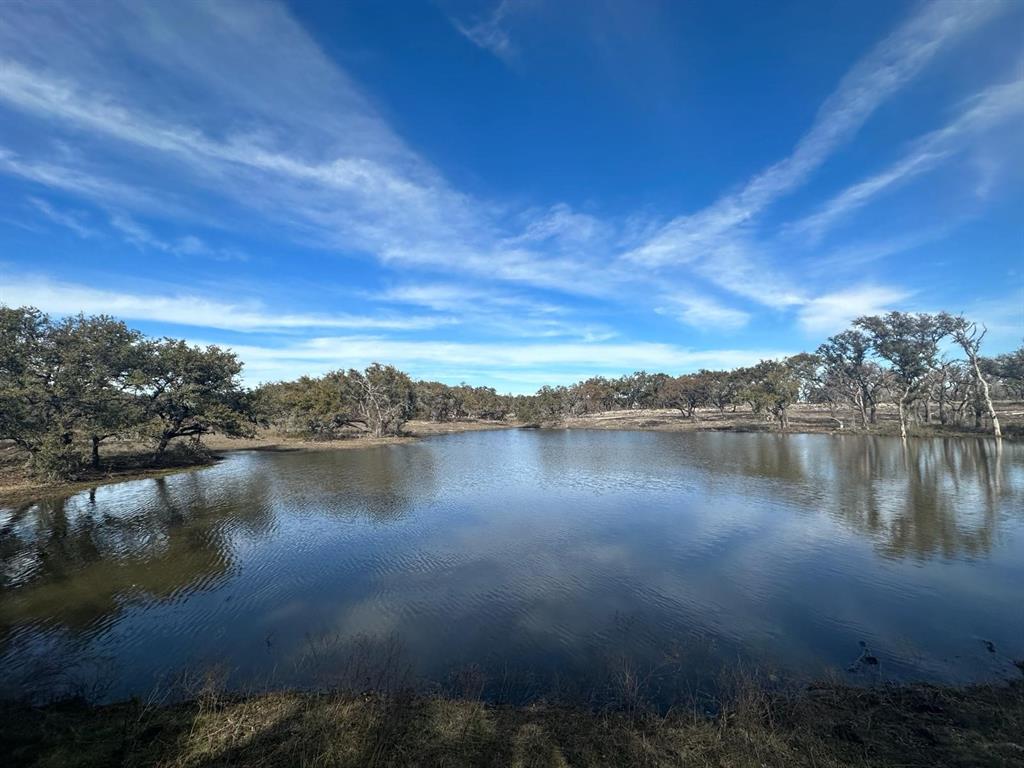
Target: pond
519	562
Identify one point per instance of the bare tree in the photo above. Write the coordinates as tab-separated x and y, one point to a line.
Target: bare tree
966	334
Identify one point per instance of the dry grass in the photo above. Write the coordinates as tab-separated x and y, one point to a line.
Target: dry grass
803	419
824	726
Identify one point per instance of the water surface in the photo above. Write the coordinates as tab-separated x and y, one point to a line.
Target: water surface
530	558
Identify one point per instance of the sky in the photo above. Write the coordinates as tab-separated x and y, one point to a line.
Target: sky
512	192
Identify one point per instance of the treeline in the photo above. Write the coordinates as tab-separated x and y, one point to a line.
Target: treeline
898	358
929	366
68	386
378	401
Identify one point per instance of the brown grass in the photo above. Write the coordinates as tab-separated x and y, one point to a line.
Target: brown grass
803	419
824	726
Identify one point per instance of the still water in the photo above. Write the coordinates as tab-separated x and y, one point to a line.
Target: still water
533	558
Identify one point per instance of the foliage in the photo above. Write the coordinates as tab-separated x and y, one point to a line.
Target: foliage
68	385
190	391
384	398
772	386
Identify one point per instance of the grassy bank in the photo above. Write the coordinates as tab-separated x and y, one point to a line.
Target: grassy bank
825	725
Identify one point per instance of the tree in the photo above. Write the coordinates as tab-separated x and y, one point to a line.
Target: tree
1009	369
101	361
385	398
723	388
849	373
191	391
685	393
61	381
966	334
772	386
909	342
439	402
29	406
596	394
639	390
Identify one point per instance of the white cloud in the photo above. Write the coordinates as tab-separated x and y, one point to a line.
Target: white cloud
60	298
189	245
65	219
991	107
452	297
531	364
82	182
832	312
488	31
260	118
704	312
716	241
493	311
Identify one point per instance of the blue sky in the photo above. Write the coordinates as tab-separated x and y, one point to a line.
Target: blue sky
512	192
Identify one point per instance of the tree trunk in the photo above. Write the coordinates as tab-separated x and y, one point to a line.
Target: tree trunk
903	413
95	452
161	447
983	386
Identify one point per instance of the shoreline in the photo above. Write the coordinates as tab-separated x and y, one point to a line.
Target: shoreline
16	488
824	724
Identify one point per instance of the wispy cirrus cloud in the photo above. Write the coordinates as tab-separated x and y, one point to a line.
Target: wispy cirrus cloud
350	186
993	106
143	238
703	312
724	230
189	309
354	186
831	312
231	116
66	219
496	311
488	31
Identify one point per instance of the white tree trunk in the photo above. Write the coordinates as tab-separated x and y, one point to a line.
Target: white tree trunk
903	413
983	386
